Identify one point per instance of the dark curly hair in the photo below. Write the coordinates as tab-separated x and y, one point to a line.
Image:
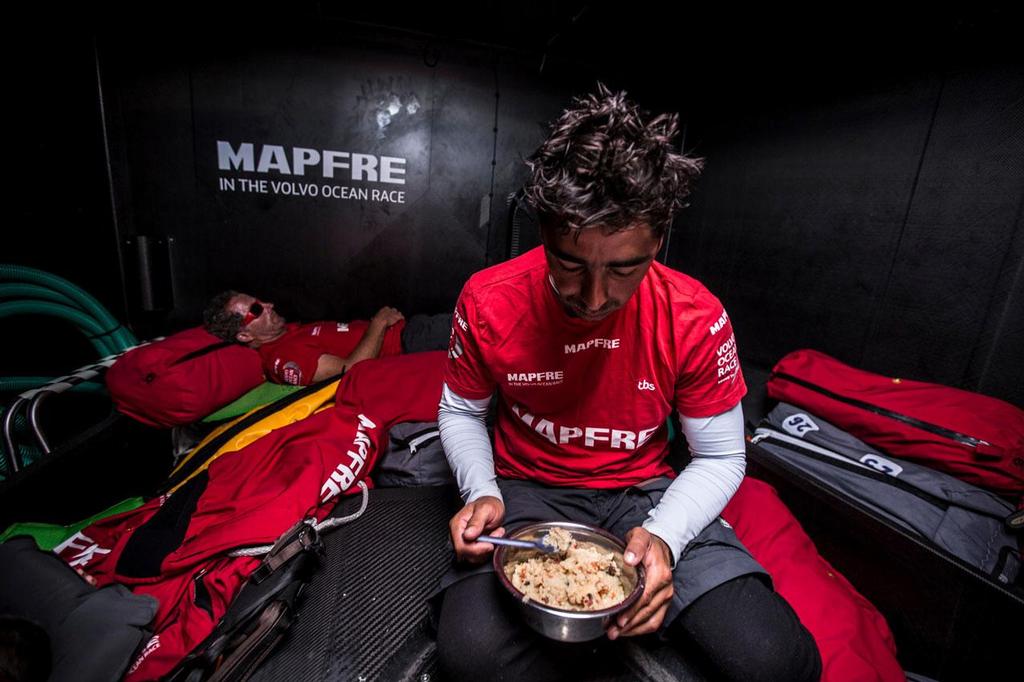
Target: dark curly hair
603	164
220	321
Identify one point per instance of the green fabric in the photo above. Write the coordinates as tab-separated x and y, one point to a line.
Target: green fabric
263	394
48	536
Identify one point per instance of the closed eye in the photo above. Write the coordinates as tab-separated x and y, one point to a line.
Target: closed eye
622	272
570	267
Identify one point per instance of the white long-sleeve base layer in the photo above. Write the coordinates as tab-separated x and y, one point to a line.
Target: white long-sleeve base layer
694	499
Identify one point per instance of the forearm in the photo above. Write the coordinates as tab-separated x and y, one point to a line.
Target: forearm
369	346
699	494
463	429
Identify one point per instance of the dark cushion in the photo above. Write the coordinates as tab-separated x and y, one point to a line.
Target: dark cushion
94	633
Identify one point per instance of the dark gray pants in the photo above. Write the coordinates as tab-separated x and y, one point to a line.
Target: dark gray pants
426	332
723	604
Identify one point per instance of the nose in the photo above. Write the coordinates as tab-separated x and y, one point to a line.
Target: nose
594	292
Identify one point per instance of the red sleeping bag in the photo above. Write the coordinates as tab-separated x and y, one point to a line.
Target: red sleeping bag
182	378
173	543
971	436
852	636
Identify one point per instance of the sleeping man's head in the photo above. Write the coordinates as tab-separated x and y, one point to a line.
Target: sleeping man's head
239	317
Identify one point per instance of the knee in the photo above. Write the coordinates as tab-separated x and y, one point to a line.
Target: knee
476	640
467	653
778	657
795	659
750	633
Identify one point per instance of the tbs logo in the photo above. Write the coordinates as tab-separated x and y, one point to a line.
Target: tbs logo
645	385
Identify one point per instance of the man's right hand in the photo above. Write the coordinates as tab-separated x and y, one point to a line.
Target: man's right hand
481	516
387	317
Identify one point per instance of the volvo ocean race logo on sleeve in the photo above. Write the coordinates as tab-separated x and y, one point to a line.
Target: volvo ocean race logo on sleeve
291	373
728	362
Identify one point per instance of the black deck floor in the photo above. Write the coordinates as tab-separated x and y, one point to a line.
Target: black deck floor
364	616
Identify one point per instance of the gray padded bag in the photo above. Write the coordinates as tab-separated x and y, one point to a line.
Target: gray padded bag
94	633
413	457
958	517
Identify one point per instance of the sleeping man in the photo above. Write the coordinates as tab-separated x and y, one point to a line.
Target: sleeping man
302	354
589	345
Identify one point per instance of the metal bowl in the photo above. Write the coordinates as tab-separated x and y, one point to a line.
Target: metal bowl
562	624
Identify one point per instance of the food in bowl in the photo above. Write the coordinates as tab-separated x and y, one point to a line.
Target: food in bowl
580	576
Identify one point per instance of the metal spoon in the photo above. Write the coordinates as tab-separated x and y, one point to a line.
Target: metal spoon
538	545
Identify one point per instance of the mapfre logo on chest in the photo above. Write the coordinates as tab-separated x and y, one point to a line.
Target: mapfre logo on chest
552	378
608	344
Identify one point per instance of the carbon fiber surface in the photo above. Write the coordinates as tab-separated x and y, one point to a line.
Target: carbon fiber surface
363	616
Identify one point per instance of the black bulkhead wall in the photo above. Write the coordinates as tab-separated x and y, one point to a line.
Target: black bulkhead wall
528	103
323	257
57	209
880	223
949	294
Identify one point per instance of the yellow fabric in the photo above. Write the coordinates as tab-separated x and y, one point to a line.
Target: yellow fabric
289	414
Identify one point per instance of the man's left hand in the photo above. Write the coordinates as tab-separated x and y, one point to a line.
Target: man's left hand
646	614
387	317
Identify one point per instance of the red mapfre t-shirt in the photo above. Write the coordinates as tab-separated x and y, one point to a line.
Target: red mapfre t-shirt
292	359
584	404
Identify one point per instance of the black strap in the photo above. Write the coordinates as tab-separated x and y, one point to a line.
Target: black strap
301	537
1006	556
202	351
1015	521
198	458
258	615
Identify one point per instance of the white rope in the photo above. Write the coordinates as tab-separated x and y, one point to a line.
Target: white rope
251	551
326	524
331	524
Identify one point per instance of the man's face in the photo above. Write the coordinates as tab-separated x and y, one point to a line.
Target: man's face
261	328
594	272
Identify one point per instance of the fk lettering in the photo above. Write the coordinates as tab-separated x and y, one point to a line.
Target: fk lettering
87	549
346	473
592	436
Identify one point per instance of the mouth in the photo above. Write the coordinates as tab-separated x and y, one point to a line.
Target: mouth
588	315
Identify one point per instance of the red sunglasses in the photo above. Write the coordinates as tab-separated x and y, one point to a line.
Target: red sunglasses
254	311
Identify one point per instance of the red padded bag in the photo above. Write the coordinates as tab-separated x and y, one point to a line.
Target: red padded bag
971	436
182	378
854	640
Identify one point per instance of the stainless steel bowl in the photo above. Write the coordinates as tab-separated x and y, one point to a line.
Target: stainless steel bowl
561	624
